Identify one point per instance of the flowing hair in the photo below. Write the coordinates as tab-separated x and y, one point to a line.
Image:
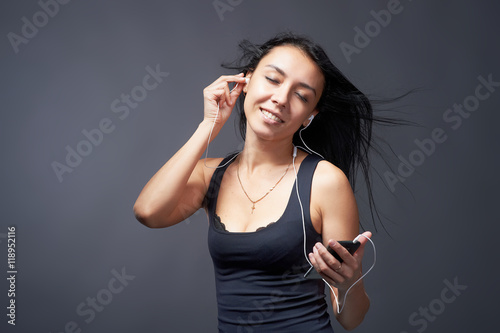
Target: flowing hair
342	130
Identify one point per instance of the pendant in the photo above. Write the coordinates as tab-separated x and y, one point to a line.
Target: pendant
253	207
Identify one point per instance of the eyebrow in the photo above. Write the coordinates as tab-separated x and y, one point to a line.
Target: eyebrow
302	84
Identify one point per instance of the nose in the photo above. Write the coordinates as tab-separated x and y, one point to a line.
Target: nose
280	96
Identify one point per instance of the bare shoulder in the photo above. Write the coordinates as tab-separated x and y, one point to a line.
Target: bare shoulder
328	178
333	205
206	167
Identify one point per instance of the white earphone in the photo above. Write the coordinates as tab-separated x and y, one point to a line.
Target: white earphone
310	121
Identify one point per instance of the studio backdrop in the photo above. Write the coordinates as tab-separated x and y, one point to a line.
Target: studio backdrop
97	95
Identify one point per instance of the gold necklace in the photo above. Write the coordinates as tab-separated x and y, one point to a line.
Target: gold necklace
265	195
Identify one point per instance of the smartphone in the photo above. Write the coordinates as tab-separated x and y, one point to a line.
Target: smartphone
350	246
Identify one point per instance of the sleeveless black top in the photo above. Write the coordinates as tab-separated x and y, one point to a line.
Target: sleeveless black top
259	275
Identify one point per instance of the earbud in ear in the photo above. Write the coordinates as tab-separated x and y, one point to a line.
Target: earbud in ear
310	121
247	79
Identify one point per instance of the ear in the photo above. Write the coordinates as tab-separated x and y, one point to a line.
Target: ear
249	75
308	121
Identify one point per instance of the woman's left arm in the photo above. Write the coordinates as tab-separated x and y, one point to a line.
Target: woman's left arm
334	210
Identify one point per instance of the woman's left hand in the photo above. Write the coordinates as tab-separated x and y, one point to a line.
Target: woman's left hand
339	275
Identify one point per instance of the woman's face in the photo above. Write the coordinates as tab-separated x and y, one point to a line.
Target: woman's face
282	93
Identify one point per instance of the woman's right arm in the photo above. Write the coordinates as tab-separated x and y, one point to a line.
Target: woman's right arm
177	190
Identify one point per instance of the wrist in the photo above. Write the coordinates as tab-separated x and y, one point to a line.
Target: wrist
208	129
358	287
205	126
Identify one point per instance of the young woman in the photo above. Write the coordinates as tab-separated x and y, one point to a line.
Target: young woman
272	208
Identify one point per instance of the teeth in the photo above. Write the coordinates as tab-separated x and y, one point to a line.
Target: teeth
271	116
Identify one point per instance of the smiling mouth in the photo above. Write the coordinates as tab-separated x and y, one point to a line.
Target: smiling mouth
271	116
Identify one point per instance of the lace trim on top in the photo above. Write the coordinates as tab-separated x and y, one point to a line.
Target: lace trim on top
221	226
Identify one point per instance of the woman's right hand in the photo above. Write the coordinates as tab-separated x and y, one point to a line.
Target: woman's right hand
178	189
218	96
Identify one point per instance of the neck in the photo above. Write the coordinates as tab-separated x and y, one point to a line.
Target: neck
261	153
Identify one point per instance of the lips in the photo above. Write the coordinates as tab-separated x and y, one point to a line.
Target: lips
267	114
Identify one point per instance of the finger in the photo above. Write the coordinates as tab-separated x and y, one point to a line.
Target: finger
326	264
231	95
229	78
342	270
235	93
227	95
312	259
342	252
329	275
214	95
337	273
217	87
358	255
239	83
219	94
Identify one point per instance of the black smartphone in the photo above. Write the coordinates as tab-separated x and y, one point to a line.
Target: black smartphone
349	245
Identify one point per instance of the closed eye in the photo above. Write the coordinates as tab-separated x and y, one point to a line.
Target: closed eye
302	98
272	80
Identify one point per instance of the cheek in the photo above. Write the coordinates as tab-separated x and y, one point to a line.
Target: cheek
257	92
254	96
246	105
249	107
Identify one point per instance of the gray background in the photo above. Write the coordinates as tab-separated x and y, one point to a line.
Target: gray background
72	234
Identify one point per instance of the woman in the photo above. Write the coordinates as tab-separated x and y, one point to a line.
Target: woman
284	84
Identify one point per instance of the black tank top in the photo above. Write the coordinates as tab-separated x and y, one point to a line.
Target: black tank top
259	275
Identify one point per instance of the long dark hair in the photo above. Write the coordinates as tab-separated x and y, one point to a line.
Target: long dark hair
342	130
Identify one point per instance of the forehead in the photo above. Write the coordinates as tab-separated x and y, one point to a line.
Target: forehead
294	62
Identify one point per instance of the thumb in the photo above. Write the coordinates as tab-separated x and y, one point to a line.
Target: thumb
363	239
235	93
